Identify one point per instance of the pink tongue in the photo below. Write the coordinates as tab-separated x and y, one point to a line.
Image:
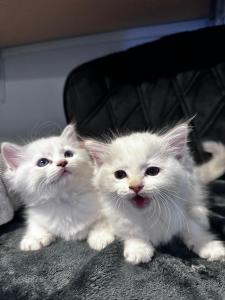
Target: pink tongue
140	202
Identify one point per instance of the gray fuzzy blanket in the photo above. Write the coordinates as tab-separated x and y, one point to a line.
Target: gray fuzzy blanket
71	270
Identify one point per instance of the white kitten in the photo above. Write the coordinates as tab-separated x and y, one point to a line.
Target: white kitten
149	193
53	177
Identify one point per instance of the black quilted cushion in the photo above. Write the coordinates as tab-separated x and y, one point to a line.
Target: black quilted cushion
153	85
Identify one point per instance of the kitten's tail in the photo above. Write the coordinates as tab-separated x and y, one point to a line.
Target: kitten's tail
215	167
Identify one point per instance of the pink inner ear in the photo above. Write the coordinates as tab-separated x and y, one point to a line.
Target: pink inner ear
97	151
12	155
69	133
176	140
177	147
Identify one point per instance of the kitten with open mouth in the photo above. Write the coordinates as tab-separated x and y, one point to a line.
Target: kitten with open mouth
140	201
149	192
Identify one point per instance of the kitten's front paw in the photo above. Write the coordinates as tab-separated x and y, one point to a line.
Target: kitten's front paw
98	240
136	251
81	235
30	243
212	251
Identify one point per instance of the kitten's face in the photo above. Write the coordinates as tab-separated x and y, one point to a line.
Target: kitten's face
46	164
49	162
134	170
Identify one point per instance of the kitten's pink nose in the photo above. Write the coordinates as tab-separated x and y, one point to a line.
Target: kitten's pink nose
136	188
62	163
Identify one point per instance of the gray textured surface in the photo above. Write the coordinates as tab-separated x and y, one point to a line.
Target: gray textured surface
71	270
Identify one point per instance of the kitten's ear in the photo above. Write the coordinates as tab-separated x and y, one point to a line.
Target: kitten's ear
69	133
12	154
97	150
176	140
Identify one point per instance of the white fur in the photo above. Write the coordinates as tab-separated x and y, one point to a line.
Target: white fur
136	251
100	235
215	167
177	204
56	205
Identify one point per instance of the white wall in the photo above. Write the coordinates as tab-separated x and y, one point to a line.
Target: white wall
32	77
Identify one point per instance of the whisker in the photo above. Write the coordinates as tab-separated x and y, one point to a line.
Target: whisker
118	200
167	197
163	194
174	194
165	203
183	219
155	212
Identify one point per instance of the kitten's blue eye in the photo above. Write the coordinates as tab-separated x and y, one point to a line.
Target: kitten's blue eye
68	153
152	171
42	162
120	174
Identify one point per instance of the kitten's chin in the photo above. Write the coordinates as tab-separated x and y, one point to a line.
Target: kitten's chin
140	202
62	176
65	173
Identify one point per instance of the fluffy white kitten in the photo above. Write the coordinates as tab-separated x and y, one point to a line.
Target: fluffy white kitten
149	192
53	177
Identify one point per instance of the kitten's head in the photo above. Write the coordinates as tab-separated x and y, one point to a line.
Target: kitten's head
138	168
46	165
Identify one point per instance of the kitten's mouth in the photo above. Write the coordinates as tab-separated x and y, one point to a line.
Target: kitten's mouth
62	174
140	202
65	173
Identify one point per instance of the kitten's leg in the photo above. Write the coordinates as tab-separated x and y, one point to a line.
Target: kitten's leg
203	243
137	251
82	235
36	237
200	214
100	235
